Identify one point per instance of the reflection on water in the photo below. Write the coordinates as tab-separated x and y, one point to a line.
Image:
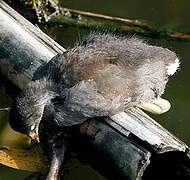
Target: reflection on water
163	13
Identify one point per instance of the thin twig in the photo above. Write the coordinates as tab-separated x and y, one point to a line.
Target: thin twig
99	21
106	17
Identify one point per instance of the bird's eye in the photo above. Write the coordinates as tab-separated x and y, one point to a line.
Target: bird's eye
32	127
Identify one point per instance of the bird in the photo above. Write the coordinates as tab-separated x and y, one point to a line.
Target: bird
102	75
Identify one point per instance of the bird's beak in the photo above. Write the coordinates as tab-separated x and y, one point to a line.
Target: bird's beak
34	136
5	109
157	106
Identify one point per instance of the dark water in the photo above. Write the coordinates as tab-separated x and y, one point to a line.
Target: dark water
169	14
173	14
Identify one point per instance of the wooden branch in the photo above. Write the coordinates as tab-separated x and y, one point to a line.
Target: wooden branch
123	25
104	17
124	144
53	14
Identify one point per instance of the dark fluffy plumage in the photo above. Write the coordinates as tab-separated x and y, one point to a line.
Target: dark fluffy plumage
100	76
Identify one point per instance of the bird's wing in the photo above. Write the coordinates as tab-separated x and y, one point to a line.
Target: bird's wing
82	102
85	98
51	70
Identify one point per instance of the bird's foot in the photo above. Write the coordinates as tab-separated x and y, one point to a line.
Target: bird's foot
157	106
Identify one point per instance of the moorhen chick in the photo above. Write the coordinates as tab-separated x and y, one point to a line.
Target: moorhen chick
102	75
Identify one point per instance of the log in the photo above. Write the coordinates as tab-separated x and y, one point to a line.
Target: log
25	45
128	145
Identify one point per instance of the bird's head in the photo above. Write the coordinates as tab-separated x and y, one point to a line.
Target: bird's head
25	118
27	110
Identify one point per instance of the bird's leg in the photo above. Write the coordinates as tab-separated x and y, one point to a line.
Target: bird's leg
55	144
56	160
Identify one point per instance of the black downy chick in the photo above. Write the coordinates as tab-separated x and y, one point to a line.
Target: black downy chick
101	76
